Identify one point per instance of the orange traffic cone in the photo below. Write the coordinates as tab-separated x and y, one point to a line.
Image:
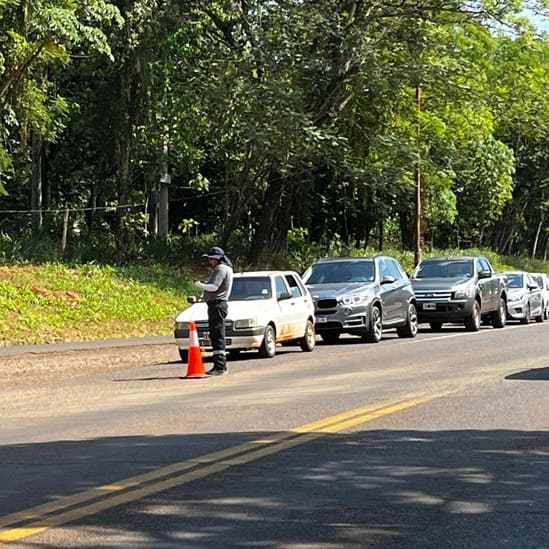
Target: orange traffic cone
195	367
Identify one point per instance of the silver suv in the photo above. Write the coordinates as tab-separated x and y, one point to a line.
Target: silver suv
361	296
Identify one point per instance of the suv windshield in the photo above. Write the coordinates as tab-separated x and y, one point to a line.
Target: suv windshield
444	268
340	272
247	288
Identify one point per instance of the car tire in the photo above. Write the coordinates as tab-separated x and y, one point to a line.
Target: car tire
472	322
268	345
308	341
435	326
410	328
184	355
374	331
330	337
499	316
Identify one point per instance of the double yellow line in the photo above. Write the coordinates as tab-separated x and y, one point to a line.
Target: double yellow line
67	509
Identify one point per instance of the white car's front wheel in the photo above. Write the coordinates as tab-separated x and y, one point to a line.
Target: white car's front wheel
268	345
307	342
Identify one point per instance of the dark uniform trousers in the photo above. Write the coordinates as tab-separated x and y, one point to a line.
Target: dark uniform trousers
217	312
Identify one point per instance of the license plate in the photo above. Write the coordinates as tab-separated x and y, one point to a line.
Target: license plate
321	319
429	306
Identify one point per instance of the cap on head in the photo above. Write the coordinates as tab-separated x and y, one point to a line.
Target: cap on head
214	253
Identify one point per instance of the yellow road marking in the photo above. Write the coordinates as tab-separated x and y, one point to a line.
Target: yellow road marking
95	500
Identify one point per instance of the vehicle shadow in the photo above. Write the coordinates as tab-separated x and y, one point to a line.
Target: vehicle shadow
377	489
207	359
450	328
533	374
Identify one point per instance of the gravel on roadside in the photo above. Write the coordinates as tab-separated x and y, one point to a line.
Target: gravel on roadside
33	364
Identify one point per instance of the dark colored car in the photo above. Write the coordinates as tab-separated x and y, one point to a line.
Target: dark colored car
463	290
361	296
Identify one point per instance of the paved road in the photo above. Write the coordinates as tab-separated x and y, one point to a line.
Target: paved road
440	441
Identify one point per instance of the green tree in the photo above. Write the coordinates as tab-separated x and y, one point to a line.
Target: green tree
37	36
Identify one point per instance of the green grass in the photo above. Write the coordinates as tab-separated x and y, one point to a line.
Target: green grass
48	303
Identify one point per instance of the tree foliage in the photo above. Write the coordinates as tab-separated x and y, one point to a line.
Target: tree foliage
279	115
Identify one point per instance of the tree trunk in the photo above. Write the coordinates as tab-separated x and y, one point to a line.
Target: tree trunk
266	220
122	249
163	197
406	230
36	183
536	239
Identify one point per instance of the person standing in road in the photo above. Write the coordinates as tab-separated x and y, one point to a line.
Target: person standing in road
216	293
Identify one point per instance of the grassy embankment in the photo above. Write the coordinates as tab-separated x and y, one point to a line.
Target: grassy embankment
50	303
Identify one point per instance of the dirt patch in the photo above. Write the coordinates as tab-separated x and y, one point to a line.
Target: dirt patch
32	369
67	295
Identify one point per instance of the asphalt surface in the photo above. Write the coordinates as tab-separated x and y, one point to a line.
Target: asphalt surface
440	441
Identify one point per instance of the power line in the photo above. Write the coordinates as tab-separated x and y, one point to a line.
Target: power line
104	208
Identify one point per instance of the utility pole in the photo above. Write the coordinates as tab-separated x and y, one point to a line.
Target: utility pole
417	232
163	198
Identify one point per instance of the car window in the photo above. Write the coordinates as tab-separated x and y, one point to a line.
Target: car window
247	288
280	286
515	280
383	269
340	272
484	265
393	269
294	287
530	281
444	268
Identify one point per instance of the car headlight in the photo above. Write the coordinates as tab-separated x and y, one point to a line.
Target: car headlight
245	323
352	299
460	293
513	298
181	325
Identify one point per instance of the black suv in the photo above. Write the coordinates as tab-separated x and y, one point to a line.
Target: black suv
361	296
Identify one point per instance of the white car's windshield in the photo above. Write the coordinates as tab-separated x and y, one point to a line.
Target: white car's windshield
251	288
444	269
340	272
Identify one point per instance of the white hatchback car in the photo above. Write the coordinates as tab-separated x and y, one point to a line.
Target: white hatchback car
265	308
